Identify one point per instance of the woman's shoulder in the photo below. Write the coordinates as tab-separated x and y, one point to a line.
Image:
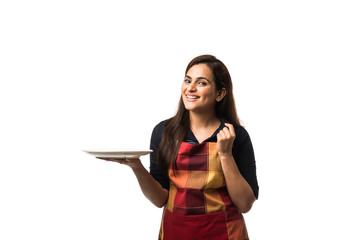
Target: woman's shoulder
241	134
158	130
240	130
160	126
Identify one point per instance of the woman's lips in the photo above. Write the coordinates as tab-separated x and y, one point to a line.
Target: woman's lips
192	97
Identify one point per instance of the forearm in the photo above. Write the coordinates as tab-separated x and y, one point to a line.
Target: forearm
150	187
239	190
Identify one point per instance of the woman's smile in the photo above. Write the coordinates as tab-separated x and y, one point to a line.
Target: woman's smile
191	97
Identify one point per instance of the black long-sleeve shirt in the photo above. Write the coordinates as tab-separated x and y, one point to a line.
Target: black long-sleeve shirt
243	154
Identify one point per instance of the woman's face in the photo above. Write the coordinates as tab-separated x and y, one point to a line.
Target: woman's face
199	90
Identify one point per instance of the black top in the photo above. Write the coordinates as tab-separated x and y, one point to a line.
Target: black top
243	154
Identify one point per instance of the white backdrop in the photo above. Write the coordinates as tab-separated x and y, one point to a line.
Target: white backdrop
101	74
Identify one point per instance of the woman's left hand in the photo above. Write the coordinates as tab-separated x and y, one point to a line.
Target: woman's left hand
225	140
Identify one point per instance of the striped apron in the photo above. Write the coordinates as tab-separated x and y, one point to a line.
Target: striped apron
199	205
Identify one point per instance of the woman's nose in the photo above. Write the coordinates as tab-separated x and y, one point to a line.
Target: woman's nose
192	87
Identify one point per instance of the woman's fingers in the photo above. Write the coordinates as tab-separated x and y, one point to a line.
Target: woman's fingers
231	129
225	139
227	132
106	159
132	162
119	160
122	161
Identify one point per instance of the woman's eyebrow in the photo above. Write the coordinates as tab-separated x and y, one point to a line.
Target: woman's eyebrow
199	78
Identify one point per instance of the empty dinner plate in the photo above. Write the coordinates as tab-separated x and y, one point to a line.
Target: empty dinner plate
116	153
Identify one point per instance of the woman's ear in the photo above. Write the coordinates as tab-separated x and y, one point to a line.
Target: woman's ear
221	94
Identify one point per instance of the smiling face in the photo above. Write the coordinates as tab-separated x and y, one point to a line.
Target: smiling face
199	90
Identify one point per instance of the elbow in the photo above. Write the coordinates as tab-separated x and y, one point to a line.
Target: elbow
161	201
159	205
246	206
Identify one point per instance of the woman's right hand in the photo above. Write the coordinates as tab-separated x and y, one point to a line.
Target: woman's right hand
133	162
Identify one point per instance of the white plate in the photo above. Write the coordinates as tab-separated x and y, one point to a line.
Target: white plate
113	153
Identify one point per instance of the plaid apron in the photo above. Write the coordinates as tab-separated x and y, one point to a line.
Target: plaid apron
199	205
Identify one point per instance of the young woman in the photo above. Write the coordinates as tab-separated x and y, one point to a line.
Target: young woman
202	166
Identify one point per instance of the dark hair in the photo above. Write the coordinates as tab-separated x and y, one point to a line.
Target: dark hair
177	127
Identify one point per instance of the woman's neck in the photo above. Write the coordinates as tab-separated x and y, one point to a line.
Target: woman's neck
203	120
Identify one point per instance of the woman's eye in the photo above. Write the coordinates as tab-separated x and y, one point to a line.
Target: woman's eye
187	80
202	83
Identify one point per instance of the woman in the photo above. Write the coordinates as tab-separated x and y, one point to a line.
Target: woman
213	178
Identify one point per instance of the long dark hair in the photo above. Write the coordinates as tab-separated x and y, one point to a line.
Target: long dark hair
177	127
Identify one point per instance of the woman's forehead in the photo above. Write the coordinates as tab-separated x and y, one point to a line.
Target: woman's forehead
200	70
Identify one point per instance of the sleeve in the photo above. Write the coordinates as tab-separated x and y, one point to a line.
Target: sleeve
243	153
155	171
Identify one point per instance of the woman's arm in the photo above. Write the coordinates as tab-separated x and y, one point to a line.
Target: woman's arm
149	186
239	190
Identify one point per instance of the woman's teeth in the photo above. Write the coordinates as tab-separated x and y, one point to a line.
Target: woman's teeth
192	97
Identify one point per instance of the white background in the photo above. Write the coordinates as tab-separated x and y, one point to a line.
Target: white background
101	74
